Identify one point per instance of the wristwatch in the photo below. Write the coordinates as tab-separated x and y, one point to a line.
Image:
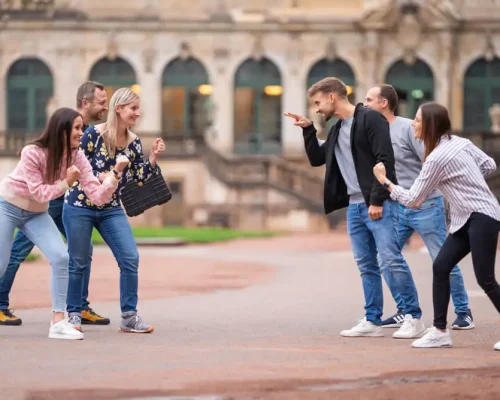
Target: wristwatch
386	183
116	174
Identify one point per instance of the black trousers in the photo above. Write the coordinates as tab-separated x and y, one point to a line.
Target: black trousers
479	236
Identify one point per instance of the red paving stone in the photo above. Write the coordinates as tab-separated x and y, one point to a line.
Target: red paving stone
170	277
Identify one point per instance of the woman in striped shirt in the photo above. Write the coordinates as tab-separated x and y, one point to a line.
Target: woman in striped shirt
457	168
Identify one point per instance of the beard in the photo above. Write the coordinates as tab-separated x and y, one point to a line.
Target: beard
329	115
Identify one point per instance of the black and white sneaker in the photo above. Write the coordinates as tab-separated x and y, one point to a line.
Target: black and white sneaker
396	321
463	322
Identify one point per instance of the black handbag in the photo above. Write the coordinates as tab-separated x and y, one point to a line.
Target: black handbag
138	197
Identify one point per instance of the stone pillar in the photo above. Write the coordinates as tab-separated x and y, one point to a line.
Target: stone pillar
67	79
294	100
151	102
443	80
294	97
370	53
149	80
3	94
221	134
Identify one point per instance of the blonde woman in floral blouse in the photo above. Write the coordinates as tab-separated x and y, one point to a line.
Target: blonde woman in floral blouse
102	145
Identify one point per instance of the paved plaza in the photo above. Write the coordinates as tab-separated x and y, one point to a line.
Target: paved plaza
248	319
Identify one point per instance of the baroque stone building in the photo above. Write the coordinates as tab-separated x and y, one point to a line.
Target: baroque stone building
215	77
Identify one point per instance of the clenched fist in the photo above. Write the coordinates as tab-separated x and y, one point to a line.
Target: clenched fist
379	172
121	162
72	175
158	147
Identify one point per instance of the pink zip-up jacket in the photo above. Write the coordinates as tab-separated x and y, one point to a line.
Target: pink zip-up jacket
25	187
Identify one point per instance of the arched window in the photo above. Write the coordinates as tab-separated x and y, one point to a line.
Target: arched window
414	85
114	74
29	88
257	107
481	91
338	69
186	97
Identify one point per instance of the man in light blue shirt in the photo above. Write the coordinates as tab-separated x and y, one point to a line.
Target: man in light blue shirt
429	220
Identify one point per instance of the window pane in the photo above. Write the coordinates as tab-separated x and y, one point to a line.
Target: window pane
475	107
244	114
173	110
198	112
270	118
17	109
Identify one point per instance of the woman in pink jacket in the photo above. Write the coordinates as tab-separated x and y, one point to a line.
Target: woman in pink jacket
48	167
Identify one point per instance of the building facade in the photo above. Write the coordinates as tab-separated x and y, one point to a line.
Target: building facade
228	70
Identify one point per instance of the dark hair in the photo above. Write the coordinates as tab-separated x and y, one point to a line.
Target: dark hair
87	91
56	139
389	93
435	124
329	85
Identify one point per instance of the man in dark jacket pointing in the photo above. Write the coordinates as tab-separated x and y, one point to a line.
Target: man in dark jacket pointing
358	141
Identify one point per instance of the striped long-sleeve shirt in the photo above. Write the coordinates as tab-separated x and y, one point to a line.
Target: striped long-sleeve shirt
457	168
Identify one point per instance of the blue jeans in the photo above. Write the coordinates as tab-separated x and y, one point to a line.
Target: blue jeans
378	240
429	222
22	247
41	230
115	229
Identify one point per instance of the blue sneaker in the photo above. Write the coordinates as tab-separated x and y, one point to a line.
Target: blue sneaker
395	321
463	322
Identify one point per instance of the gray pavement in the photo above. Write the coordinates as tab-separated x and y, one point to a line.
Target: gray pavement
287	328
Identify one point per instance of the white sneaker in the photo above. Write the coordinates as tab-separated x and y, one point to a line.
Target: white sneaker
434	338
411	328
496	346
364	328
64	330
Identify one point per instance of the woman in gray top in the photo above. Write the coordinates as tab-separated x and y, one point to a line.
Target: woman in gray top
457	168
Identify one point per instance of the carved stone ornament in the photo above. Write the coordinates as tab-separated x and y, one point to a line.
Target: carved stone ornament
294	54
221	57
112	47
409	36
330	50
489	50
149	56
257	48
184	51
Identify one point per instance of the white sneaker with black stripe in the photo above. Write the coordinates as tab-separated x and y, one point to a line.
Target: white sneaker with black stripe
394	321
411	328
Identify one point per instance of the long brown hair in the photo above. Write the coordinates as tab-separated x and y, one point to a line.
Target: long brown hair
435	124
56	139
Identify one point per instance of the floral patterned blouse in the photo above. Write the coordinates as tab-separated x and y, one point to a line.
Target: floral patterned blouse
92	144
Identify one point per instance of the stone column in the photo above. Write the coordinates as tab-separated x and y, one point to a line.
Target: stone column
443	80
151	101
149	80
221	134
3	94
294	97
294	100
370	53
67	79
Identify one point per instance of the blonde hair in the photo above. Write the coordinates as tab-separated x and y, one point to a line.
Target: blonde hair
121	97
